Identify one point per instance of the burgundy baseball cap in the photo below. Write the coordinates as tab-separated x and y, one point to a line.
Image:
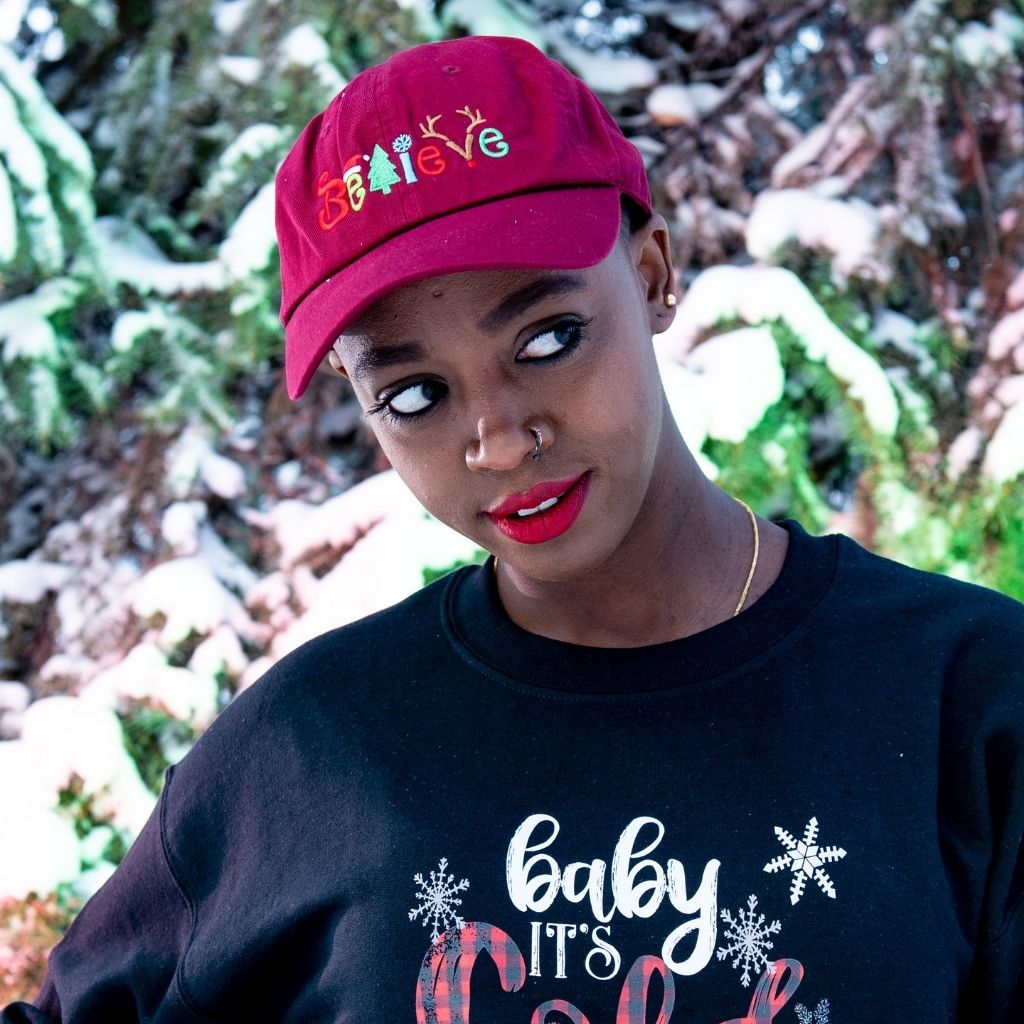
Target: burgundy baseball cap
472	154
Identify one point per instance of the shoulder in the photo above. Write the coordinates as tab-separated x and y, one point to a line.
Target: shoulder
920	601
325	690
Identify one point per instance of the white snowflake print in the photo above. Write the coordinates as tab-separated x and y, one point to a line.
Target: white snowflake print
804	858
438	899
749	940
402	144
819	1016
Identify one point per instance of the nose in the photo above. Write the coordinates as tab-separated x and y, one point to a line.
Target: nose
499	444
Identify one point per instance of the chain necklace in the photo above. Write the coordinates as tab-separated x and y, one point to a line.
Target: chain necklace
753	560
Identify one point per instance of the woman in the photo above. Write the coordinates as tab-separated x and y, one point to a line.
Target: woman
658	759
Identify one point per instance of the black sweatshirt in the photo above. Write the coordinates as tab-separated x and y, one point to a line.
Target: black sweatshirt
810	813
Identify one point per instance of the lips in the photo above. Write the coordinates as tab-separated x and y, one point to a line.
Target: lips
543	512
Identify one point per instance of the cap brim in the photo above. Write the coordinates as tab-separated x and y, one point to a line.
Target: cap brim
561	229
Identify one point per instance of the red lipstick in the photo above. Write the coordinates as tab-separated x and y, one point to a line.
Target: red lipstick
543	524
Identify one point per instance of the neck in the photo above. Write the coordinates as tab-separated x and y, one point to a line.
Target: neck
681	570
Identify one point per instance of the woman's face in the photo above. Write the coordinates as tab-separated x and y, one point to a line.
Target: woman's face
453	372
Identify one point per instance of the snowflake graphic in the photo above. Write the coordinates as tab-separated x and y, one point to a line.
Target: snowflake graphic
402	144
438	900
749	940
804	858
819	1016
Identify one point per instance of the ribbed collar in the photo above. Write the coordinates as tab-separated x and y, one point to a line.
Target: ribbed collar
478	624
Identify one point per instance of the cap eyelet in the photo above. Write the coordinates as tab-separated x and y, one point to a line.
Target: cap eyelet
451	69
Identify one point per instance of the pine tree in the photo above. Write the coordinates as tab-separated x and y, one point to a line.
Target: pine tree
382	172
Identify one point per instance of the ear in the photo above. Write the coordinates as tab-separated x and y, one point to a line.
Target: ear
652	258
335	363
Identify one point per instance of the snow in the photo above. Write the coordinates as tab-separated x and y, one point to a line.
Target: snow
27	581
305	47
222	475
389	539
179	526
1004	456
230	15
687	399
737	402
1015	293
220	652
847	230
24	159
74	737
492	18
245	70
14	696
191	599
1010	390
300	529
8	219
898	330
672	105
689	17
63	737
605	73
144	676
130	326
252	241
40	854
25	331
981	47
760	295
251	144
1007	335
44	121
11	14
133	258
184	458
963	451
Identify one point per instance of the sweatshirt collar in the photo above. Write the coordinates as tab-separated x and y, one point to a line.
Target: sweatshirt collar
483	632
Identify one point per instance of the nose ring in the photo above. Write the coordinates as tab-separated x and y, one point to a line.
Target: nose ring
538	438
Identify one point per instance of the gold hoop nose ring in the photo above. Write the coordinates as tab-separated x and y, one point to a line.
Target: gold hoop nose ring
538	439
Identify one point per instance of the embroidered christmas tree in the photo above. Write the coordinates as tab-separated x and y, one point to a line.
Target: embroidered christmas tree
382	171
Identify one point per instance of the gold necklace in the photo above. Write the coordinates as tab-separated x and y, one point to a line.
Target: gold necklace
750	573
753	561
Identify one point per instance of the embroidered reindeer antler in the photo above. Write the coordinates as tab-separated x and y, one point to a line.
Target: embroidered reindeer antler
474	119
428	131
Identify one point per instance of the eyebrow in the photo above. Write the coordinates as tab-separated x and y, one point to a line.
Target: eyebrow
523	298
380	357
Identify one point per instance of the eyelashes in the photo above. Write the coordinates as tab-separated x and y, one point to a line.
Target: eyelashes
418	398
